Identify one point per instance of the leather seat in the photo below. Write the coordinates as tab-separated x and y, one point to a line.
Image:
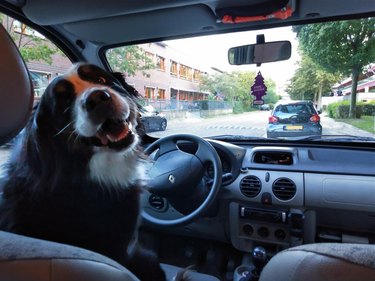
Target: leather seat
323	261
25	258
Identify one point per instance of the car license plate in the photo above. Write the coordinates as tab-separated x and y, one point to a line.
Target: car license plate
293	127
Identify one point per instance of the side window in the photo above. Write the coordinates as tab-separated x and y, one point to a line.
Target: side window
43	59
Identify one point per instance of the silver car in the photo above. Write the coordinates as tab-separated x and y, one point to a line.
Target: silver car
294	119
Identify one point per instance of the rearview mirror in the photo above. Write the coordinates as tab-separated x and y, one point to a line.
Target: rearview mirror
260	53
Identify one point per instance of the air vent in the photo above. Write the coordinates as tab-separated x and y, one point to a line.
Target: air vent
284	189
156	202
250	186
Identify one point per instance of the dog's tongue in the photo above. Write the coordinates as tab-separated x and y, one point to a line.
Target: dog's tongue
113	132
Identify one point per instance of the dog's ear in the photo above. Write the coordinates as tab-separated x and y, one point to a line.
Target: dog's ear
130	89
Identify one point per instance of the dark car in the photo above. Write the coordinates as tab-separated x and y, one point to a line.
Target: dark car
153	120
293	119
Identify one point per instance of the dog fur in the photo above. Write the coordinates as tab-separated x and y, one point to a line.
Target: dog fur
75	177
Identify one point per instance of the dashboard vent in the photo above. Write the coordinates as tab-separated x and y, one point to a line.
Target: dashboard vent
250	186
156	202
284	189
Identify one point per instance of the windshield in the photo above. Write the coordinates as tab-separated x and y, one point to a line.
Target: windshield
326	88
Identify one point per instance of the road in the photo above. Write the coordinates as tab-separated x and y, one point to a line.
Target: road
248	124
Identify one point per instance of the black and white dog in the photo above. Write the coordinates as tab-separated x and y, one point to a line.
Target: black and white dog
75	177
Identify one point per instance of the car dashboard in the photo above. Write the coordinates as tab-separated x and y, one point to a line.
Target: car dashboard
280	196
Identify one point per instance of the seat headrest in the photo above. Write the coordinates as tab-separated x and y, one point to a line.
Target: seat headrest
16	90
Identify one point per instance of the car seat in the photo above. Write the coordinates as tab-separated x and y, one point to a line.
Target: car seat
322	261
25	258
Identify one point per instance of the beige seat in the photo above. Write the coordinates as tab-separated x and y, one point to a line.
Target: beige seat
24	258
322	262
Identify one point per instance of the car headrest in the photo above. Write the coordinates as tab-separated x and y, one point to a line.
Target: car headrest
16	90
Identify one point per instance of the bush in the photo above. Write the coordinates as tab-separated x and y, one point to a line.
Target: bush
238	108
340	110
368	108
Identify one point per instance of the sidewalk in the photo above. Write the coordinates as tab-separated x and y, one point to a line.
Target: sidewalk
340	128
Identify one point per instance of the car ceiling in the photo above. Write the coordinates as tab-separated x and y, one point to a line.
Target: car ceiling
112	21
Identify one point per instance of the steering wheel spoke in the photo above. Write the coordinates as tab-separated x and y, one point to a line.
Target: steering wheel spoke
167	146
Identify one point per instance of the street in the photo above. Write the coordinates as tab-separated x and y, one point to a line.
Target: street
247	124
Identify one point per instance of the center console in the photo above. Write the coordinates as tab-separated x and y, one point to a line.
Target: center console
276	227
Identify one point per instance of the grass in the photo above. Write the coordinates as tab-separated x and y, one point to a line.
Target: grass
366	123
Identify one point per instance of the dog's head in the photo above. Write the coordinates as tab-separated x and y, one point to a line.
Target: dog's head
87	112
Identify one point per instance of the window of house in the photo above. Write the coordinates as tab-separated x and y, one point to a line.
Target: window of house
161	94
197	75
183	71
160	63
149	93
189	73
174	68
149	55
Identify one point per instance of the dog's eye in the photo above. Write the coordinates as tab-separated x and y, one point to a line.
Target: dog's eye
101	80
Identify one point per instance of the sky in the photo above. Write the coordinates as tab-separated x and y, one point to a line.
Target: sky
211	51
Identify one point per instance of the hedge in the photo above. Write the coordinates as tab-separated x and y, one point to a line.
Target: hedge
340	109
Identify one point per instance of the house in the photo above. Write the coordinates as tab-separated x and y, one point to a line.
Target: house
174	83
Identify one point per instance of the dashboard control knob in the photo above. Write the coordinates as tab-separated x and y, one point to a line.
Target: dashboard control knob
248	229
263	232
280	234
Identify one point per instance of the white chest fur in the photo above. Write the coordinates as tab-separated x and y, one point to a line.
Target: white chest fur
116	169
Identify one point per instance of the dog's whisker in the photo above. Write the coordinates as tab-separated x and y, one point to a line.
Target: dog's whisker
58	133
66	110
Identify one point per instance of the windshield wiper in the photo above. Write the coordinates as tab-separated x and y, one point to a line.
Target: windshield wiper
338	138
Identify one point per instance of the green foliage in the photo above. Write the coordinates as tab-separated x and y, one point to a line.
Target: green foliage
310	80
368	108
235	87
340	110
33	46
41	52
340	46
129	60
345	46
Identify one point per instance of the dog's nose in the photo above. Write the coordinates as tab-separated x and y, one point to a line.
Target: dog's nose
96	98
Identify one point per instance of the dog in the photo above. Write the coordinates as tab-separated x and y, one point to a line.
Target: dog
77	173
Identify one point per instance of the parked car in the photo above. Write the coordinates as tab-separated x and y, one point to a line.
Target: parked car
152	119
294	119
229	202
265	106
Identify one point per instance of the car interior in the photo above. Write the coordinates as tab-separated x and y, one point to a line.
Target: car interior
274	209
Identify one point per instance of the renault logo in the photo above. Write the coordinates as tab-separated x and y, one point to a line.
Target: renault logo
171	178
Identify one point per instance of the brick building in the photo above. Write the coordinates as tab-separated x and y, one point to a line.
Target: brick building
174	83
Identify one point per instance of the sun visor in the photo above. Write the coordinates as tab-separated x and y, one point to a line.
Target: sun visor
264	10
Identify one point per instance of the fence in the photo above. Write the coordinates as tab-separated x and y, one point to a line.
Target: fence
196	105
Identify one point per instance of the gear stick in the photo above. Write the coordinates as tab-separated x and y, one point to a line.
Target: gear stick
259	259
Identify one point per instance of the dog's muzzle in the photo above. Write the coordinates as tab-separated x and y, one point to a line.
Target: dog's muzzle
106	110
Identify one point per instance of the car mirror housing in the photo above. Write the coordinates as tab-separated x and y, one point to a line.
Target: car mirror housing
260	53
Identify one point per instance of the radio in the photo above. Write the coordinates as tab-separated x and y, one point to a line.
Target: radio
273	216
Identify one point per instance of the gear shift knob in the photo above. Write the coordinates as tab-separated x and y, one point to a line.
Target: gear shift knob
259	259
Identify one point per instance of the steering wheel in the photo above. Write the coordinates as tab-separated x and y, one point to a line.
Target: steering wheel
178	176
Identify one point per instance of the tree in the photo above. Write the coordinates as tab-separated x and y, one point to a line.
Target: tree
129	60
32	45
235	87
346	47
310	81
